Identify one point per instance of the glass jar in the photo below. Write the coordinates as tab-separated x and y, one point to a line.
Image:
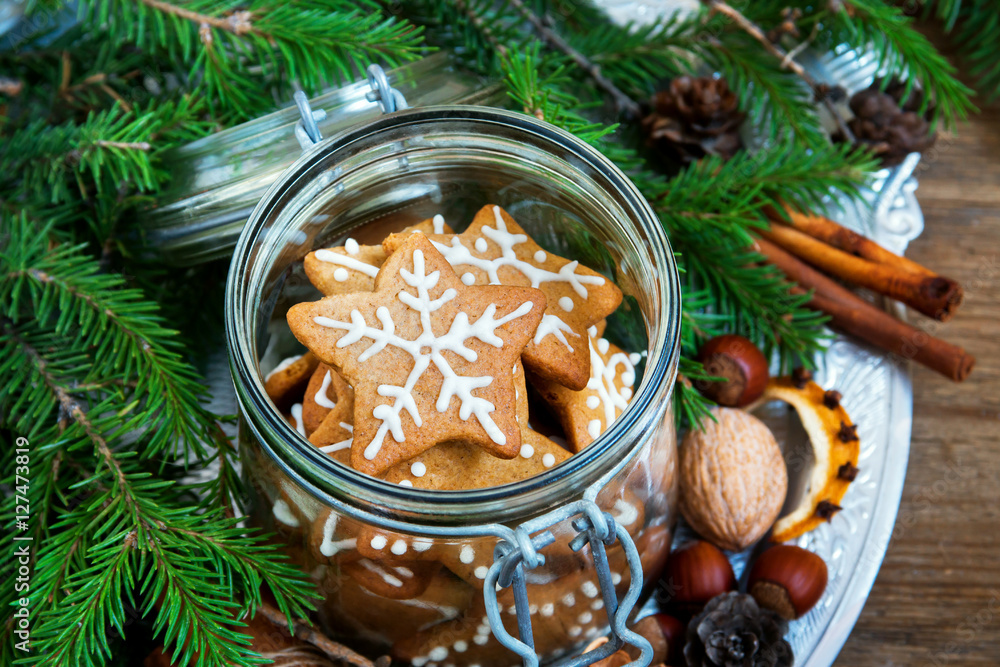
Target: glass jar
216	181
432	593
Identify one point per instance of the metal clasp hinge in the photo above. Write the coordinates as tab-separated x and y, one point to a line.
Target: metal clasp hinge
388	98
511	558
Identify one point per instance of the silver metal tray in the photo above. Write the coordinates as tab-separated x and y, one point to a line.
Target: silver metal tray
876	388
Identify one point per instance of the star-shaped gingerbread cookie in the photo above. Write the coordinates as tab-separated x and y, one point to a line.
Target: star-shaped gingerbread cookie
352	267
495	250
455	466
587	414
429	357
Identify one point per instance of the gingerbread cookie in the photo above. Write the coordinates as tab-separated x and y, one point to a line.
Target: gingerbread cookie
326	390
565	612
437	368
495	250
393	581
357	613
293	510
352	267
586	414
284	385
335	437
332	539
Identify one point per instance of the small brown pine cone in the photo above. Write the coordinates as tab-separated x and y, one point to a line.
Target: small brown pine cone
694	117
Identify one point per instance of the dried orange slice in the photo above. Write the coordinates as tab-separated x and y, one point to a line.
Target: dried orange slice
835	446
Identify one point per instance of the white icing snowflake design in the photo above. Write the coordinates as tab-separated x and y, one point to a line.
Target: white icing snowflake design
426	349
458	255
602	381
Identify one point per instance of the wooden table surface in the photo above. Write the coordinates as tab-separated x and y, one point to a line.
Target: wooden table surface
936	601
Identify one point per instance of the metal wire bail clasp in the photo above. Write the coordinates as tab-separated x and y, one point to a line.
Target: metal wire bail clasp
307	130
512	556
389	99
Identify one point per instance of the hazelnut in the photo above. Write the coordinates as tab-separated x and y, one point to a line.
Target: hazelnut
741	363
696	573
732	479
788	580
673	631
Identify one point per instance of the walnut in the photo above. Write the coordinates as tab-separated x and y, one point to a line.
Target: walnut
732	479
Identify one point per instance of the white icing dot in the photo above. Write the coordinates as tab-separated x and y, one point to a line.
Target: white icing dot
626	393
378	542
483	629
548	460
598	604
418	469
405	482
591	632
467	555
351	246
469	278
527	451
594	428
419	661
438	653
603	345
628	378
566	303
532	609
474	665
585	617
635	358
438	222
569	600
540	256
421	544
547	609
593	402
398	547
481	571
340	275
616	578
481	245
589	589
481	639
575	631
460	646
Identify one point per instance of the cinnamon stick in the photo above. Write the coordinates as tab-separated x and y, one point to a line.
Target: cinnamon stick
854	315
845	239
932	295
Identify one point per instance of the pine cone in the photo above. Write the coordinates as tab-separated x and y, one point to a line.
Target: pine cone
693	118
732	631
890	131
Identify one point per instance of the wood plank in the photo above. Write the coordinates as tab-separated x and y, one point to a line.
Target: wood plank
936	601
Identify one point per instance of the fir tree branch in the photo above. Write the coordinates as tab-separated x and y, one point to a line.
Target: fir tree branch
902	49
480	24
785	59
622	102
974	27
236	22
119	330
